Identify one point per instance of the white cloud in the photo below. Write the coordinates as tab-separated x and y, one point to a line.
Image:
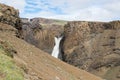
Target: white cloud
102	10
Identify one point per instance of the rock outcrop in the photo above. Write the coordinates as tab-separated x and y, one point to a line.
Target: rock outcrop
93	46
9	15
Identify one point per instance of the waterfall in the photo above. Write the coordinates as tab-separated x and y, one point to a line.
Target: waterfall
56	49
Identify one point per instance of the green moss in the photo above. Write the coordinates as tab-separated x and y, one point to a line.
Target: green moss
8	69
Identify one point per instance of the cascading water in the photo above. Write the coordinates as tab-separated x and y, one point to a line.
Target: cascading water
56	49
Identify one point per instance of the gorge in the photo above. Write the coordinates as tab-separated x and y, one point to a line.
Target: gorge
92	47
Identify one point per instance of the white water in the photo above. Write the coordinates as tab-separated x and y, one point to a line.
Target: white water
56	48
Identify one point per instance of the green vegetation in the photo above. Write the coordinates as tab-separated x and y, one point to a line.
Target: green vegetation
55	22
8	69
60	22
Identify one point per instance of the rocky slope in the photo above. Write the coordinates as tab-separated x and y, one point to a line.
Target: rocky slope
35	63
95	47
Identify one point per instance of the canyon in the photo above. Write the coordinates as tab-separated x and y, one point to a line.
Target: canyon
92	47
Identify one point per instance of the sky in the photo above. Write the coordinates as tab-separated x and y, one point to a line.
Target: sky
82	10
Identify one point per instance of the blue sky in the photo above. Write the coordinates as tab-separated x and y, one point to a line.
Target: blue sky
88	10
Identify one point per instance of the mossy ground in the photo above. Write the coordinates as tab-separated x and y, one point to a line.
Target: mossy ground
8	69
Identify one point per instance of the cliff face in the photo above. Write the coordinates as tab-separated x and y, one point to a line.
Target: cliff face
41	32
93	46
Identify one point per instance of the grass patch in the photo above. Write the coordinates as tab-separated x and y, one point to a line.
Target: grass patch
8	69
55	22
60	22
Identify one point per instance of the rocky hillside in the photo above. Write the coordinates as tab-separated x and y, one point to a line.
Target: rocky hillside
22	61
95	47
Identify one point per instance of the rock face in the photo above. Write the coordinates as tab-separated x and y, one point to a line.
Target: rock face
9	15
41	32
93	46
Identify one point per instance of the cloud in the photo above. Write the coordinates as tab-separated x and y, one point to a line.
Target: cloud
93	10
18	4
